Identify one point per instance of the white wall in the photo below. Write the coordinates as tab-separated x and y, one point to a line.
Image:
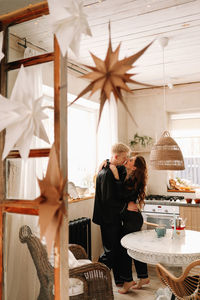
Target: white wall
76	84
122	120
147	107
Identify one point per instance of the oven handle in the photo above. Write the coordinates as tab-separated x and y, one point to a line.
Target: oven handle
157	215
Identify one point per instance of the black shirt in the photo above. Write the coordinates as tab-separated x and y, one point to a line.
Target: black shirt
108	202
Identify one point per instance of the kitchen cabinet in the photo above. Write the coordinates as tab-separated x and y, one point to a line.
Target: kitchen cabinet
193	217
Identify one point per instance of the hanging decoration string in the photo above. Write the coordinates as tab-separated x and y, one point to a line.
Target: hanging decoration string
166	154
164	88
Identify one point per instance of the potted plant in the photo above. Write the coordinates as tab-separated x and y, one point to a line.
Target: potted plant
140	142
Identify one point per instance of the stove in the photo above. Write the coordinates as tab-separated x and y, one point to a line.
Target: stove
164	198
158	213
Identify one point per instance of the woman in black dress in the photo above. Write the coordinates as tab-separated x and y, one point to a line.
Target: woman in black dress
132	191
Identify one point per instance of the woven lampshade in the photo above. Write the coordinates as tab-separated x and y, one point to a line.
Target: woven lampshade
166	154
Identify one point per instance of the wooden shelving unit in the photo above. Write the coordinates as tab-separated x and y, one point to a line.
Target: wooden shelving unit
29	207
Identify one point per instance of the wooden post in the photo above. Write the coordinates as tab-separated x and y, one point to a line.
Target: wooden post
63	162
60	115
3	85
1	253
57	145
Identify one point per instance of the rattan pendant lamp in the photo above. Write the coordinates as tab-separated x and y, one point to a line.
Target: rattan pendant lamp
166	154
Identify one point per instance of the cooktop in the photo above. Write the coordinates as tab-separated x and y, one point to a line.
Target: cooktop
164	198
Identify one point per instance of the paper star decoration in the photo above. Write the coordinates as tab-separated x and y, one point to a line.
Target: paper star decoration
22	116
68	22
1	45
51	203
110	76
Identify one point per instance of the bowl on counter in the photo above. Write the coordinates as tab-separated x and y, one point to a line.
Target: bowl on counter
197	200
81	191
188	200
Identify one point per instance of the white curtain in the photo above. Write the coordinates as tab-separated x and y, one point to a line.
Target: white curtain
107	131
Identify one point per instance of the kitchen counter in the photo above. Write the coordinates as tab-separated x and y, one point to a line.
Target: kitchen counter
173	203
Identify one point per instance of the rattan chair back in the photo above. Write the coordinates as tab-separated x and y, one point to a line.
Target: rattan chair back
45	270
187	286
96	278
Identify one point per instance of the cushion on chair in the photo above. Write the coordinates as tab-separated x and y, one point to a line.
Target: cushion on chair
74	263
75	284
75	287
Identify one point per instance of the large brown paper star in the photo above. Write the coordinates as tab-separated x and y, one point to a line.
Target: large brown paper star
111	75
51	203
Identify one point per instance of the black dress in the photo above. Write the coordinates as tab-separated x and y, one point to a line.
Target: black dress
132	221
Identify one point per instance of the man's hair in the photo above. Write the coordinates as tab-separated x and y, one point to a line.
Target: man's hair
119	148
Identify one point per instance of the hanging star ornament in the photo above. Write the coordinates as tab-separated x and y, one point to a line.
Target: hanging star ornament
22	116
68	22
110	76
51	203
1	45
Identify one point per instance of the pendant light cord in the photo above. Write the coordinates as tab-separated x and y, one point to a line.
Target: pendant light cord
164	88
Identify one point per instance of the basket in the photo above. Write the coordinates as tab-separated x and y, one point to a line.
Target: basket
166	154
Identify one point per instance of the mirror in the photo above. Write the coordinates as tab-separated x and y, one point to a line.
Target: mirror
34	34
21	177
21	281
42	77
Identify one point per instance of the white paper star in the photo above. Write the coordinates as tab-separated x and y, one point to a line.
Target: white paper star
22	116
68	23
1	45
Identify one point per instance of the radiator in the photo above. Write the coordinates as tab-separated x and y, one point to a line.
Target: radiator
80	233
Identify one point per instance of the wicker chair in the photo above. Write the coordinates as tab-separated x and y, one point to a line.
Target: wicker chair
187	286
95	277
45	271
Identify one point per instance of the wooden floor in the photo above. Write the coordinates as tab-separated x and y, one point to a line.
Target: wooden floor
146	293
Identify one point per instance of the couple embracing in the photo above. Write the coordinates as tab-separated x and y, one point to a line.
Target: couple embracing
119	197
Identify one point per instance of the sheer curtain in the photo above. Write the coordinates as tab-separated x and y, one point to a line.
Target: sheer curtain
108	131
21	281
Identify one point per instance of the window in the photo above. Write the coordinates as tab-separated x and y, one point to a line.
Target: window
82	145
87	147
185	129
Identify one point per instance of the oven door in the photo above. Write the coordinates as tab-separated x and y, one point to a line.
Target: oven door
157	218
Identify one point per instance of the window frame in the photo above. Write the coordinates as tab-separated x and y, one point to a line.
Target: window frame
181	116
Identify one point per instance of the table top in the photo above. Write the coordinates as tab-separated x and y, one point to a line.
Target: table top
147	247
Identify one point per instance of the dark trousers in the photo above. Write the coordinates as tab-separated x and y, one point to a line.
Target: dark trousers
132	222
110	234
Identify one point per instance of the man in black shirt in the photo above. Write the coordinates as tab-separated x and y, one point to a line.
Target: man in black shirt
107	208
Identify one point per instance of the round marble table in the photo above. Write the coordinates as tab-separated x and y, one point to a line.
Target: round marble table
146	247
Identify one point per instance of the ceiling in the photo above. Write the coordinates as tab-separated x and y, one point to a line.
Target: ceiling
135	23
